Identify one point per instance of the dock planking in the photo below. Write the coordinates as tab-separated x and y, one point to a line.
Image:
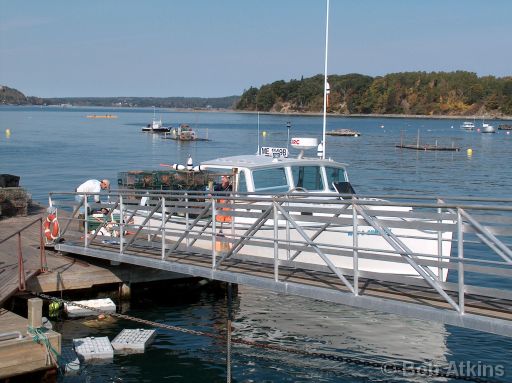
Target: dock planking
65	272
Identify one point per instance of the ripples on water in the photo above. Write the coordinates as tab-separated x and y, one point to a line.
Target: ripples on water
57	149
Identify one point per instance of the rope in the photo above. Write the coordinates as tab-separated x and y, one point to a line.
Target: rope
383	366
39	336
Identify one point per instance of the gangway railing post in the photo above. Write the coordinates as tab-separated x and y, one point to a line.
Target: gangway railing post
288	243
163	228
355	244
439	245
42	254
86	221
21	267
460	264
214	234
187	222
121	224
276	243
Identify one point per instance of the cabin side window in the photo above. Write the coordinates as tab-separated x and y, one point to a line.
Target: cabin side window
242	183
270	180
334	175
308	177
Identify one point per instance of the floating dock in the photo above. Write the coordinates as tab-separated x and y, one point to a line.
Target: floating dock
429	147
101	116
343	132
425	147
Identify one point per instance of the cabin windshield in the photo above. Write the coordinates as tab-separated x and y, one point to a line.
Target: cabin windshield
270	180
308	177
334	175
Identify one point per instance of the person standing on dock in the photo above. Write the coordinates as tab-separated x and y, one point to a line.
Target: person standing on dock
89	186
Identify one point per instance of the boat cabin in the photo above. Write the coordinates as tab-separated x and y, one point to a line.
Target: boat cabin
267	175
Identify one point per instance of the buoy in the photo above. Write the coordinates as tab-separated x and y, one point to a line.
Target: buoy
264	133
320	150
7	133
470	152
190	163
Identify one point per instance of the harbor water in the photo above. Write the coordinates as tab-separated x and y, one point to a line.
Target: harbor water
56	149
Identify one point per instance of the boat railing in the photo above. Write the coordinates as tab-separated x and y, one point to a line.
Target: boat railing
477	230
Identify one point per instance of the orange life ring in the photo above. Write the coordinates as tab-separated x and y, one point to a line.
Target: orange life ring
223	218
51	227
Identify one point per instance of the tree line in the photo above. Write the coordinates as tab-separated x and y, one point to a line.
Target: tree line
15	97
408	93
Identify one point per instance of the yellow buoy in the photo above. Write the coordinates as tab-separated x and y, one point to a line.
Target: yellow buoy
7	133
470	152
264	133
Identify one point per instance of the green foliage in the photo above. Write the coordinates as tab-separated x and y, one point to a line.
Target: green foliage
415	93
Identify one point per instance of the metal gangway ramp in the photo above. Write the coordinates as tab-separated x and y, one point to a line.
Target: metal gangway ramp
279	243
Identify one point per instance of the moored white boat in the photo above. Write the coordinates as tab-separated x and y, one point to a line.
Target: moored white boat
487	128
468	125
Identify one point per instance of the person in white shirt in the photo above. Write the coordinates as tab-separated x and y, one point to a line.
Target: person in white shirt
93	186
90	186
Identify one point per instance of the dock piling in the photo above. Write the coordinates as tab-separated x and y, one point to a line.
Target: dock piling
35	312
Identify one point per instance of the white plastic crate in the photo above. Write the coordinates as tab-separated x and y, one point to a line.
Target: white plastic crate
91	348
105	304
133	340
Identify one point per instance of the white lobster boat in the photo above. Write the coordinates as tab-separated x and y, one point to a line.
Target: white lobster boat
316	188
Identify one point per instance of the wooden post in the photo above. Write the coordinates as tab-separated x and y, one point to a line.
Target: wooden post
35	312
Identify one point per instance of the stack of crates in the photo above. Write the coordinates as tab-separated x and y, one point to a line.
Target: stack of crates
164	180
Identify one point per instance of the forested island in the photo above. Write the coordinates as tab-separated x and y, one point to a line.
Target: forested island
409	93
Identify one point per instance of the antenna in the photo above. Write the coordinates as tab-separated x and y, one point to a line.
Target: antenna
324	146
258	133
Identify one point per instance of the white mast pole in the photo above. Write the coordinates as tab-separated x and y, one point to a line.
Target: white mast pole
325	82
258	133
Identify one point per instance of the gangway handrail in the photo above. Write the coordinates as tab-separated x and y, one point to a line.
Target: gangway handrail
253	219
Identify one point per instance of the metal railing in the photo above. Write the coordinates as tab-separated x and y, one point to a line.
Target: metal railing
348	236
42	256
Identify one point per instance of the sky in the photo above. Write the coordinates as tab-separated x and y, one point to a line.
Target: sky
216	48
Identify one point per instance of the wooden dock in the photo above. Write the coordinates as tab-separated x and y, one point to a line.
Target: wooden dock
22	356
64	272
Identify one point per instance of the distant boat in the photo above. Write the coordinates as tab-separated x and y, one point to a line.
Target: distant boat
184	133
505	127
155	126
486	128
343	132
468	125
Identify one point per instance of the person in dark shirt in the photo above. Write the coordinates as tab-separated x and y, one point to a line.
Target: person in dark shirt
225	185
